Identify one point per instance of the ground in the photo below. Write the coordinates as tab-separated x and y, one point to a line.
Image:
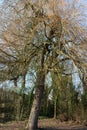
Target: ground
45	124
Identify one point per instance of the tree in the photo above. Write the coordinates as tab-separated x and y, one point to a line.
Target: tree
44	34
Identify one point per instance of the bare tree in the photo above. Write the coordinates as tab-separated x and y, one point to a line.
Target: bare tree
41	34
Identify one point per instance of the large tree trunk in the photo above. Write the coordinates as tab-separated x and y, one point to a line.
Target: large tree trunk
33	118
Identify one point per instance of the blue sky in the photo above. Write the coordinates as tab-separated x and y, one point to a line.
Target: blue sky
1	1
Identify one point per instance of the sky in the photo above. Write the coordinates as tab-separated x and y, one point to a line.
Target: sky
1	1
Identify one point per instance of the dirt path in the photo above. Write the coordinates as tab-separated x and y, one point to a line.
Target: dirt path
45	124
52	124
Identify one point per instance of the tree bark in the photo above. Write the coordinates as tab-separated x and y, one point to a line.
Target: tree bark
18	108
55	107
19	99
22	96
17	103
35	110
33	118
